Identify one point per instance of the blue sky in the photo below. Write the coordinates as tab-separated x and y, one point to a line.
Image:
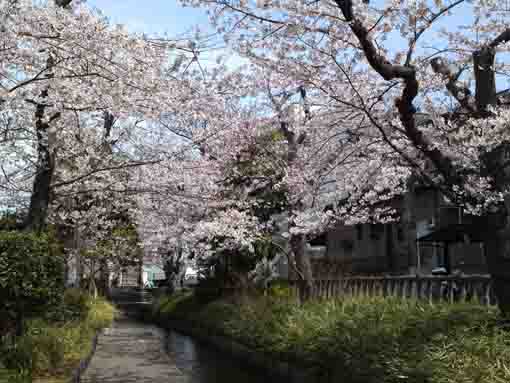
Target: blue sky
152	16
168	16
162	17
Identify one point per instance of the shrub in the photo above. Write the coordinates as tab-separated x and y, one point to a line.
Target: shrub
18	356
49	348
209	289
77	301
280	290
365	340
31	274
100	314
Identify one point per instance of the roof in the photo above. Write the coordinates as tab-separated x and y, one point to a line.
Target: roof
456	233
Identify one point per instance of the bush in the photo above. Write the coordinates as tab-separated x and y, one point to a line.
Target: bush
18	357
49	348
77	301
280	290
209	289
31	274
364	340
101	314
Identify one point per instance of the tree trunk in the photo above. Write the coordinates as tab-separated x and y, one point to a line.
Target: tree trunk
498	262
93	288
20	321
104	272
498	242
140	271
303	267
40	199
79	259
389	247
483	62
497	253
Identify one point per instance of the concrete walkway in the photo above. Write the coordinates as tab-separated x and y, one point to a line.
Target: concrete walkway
130	352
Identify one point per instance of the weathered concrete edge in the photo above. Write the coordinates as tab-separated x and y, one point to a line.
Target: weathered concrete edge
84	363
286	371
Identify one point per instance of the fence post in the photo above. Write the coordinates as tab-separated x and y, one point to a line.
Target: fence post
432	288
487	293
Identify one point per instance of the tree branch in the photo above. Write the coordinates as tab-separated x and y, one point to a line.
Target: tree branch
461	93
501	39
404	104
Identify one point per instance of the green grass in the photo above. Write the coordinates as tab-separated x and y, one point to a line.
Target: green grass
363	340
55	348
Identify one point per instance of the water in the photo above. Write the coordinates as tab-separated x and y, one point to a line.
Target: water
200	363
204	364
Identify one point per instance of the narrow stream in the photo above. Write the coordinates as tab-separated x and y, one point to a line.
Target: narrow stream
199	362
207	365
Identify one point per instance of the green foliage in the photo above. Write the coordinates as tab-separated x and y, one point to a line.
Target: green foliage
100	314
280	290
277	136
77	301
18	356
179	302
210	288
365	340
54	348
8	221
31	273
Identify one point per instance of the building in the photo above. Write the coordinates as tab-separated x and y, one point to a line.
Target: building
430	234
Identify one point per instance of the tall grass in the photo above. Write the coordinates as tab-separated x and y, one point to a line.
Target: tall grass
364	340
51	349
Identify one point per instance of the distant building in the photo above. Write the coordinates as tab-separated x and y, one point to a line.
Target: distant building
151	274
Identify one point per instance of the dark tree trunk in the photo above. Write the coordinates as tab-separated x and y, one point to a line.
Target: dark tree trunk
92	287
41	193
498	241
78	255
303	267
483	62
389	248
20	322
498	262
104	278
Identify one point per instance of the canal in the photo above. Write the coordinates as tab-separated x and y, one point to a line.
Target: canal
134	351
203	364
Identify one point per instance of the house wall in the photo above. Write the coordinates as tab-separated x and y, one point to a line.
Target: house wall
369	249
392	248
468	258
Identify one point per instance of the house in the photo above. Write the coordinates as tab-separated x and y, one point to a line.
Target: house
431	233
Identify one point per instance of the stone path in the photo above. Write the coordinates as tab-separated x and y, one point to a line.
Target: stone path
130	352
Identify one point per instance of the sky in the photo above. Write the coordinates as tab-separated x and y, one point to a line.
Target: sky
160	17
152	16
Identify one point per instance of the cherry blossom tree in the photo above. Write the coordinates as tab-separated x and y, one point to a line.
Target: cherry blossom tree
422	74
71	84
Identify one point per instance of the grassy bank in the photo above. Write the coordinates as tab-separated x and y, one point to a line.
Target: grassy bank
364	339
54	344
